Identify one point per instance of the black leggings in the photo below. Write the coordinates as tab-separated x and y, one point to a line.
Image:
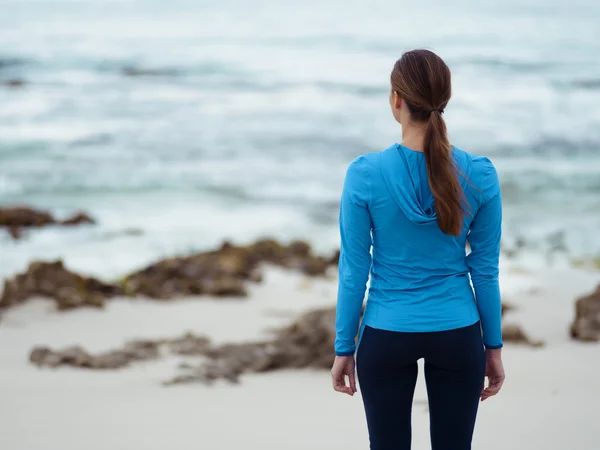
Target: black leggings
454	372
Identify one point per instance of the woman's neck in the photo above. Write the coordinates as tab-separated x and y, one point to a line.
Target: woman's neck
413	137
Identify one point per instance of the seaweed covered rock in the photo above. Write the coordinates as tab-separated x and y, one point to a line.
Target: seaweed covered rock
79	218
21	216
221	272
586	326
53	280
514	334
218	273
133	351
306	343
14	219
297	255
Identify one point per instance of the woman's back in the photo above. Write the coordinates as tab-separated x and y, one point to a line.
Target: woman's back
419	274
406	216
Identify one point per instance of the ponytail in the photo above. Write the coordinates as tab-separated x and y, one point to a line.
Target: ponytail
443	180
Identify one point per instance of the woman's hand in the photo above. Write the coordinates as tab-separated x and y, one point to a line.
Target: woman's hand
343	367
494	371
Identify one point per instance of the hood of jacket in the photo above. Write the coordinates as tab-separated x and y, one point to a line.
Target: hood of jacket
405	175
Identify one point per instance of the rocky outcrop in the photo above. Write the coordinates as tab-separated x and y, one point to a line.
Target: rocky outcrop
586	326
218	273
222	272
15	219
52	280
308	342
134	351
514	334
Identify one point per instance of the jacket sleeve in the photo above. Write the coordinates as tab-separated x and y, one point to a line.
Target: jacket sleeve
483	261
355	255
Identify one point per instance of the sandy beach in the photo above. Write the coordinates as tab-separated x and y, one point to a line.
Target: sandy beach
138	137
548	402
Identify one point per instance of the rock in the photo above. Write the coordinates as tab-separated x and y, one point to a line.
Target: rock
298	249
334	260
15	232
53	280
223	272
227	287
205	374
219	273
13	83
78	219
189	344
306	343
506	307
18	217
22	216
43	356
133	351
586	326
514	334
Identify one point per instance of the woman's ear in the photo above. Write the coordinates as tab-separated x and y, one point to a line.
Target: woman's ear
397	100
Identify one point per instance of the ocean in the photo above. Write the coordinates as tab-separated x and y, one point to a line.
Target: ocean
180	124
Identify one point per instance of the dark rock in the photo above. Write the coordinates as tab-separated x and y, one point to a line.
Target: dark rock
335	258
222	272
78	219
14	83
267	250
18	217
218	273
515	335
22	216
586	326
313	266
506	307
53	280
227	287
189	344
299	249
133	351
15	232
43	356
306	343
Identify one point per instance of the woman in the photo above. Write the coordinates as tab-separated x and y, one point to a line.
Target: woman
416	205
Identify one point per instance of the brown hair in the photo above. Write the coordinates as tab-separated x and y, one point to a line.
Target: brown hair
422	80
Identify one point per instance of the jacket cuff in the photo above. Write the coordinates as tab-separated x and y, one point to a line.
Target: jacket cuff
493	347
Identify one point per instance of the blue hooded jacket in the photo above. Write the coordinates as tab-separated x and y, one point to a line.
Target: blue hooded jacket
420	277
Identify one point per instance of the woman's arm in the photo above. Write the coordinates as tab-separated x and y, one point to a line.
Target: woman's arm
483	260
355	254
